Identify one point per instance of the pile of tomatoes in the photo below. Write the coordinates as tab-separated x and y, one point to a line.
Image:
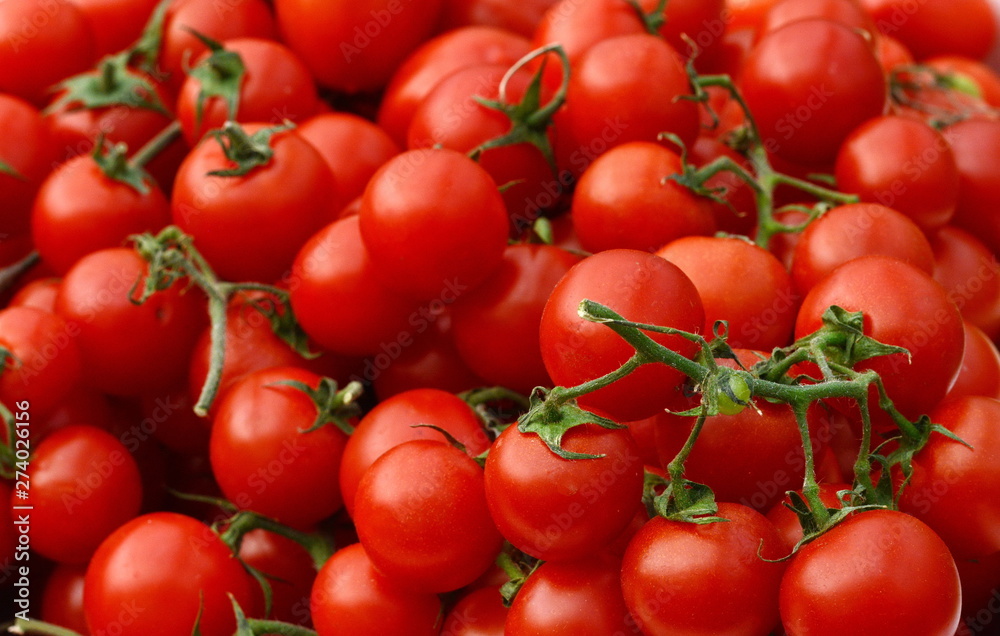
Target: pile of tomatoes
292	341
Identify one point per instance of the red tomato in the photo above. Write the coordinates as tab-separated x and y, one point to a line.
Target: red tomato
954	488
436	534
43	363
339	302
276	86
593	502
495	326
62	599
67	227
969	272
610	97
573	598
40	294
787	522
903	307
642	288
803	105
684	578
976	144
980	372
434	224
902	163
250	227
851	231
26	148
128	349
353	148
436	59
262	457
392	422
882	565
355	46
521	17
740	215
623	201
351	598
84	485
195	570
891	53
982	76
478	613
115	23
41	43
846	12
937	27
760	309
289	569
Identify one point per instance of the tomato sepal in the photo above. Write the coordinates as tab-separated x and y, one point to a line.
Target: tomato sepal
550	418
114	84
333	405
247	152
220	75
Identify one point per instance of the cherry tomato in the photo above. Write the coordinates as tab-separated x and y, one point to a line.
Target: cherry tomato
882	565
594	501
128	349
685	578
40	294
478	613
976	144
392	422
787	522
980	372
982	76
642	288
969	272
846	12
27	149
351	598
194	569
937	27
289	569
115	23
521	18
62	599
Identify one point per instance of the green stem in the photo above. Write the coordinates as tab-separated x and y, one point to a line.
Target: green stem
10	274
318	547
561	395
217	307
485	395
810	487
22	626
862	465
268	628
157	144
675	469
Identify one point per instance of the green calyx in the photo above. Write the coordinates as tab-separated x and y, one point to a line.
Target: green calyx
114	83
550	417
247	152
219	75
333	405
114	163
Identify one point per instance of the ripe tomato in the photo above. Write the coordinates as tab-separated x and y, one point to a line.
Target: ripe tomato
594	501
976	144
969	272
40	294
570	598
760	310
882	565
42	42
787	522
276	87
62	599
623	201
937	27
194	569
903	163
846	12
115	23
642	288
262	456
128	349
67	227
478	613
982	76
685	578
980	372
495	326
903	307
804	105
436	59
851	231
289	569
438	243
26	148
355	46
521	18
351	598
953	489
44	363
739	214
392	422
84	485
434	533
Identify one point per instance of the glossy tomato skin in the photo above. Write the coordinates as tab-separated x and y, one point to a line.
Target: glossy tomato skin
572	597
264	461
250	227
26	148
521	18
980	372
421	514
760	311
434	224
351	598
276	86
969	271
289	569
40	294
392	422
193	569
850	231
436	59
42	43
594	502
128	349
976	145
622	201
937	27
954	488
903	163
478	613
46	363
66	226
846	12
495	327
641	287
62	599
804	105
355	46
115	23
684	578
903	307
84	485
884	565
